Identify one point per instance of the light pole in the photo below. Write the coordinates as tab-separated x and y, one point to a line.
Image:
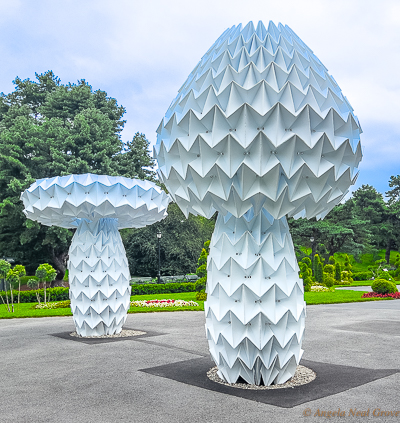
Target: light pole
159	256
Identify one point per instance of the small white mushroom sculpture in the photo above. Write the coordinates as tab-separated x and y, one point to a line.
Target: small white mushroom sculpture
97	206
258	131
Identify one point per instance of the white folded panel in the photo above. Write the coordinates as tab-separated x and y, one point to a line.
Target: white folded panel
258	131
97	205
259	123
255	309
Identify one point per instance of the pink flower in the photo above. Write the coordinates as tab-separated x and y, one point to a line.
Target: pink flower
395	295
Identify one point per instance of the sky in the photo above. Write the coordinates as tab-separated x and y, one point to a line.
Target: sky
141	52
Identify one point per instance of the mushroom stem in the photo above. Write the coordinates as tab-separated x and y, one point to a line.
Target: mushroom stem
99	278
255	309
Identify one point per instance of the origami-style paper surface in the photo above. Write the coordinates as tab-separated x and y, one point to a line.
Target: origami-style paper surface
97	206
258	131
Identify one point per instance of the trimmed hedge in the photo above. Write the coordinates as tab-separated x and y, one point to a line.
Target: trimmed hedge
62	294
25	279
167	288
56	294
362	276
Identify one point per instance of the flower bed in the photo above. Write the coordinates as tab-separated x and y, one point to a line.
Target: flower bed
164	303
396	295
319	288
60	304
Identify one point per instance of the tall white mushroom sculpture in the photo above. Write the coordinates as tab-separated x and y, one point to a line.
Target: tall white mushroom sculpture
258	131
97	206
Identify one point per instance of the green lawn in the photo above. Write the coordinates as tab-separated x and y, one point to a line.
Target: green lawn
28	310
355	283
339	296
311	298
361	283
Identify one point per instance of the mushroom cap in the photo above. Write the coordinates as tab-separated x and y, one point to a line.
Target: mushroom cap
65	200
259	123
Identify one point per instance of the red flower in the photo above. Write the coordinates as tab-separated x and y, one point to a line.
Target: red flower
395	295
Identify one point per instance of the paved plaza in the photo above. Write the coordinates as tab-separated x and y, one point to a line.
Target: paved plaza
48	376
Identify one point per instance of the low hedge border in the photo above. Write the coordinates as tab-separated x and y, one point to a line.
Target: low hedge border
56	294
62	294
167	288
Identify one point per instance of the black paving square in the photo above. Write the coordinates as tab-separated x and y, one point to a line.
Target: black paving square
67	336
331	379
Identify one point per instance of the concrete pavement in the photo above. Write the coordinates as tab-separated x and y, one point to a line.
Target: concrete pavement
46	378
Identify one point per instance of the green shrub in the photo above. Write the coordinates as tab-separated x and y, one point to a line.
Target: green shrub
64	304
200	285
342	282
332	260
382	286
329	281
347	264
362	276
201	295
319	275
307	288
307	281
167	288
25	279
201	271
346	276
316	262
329	268
338	272
56	294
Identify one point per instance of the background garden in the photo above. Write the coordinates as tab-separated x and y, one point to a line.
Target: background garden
48	128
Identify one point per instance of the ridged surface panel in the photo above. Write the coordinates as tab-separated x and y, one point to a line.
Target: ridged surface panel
259	123
255	309
64	200
99	278
97	205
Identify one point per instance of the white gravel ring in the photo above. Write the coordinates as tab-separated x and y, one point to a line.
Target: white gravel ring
125	333
302	376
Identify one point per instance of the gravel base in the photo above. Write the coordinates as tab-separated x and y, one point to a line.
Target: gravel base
302	376
123	334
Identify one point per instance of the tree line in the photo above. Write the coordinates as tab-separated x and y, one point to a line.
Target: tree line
364	224
48	128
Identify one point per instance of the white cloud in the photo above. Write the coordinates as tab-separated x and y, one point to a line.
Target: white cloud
142	52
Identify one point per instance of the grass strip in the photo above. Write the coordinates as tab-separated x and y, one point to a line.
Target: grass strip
312	298
337	297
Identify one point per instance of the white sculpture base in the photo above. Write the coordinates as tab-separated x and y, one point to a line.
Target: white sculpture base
255	309
99	278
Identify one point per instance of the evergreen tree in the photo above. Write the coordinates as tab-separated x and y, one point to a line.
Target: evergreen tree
316	262
49	129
